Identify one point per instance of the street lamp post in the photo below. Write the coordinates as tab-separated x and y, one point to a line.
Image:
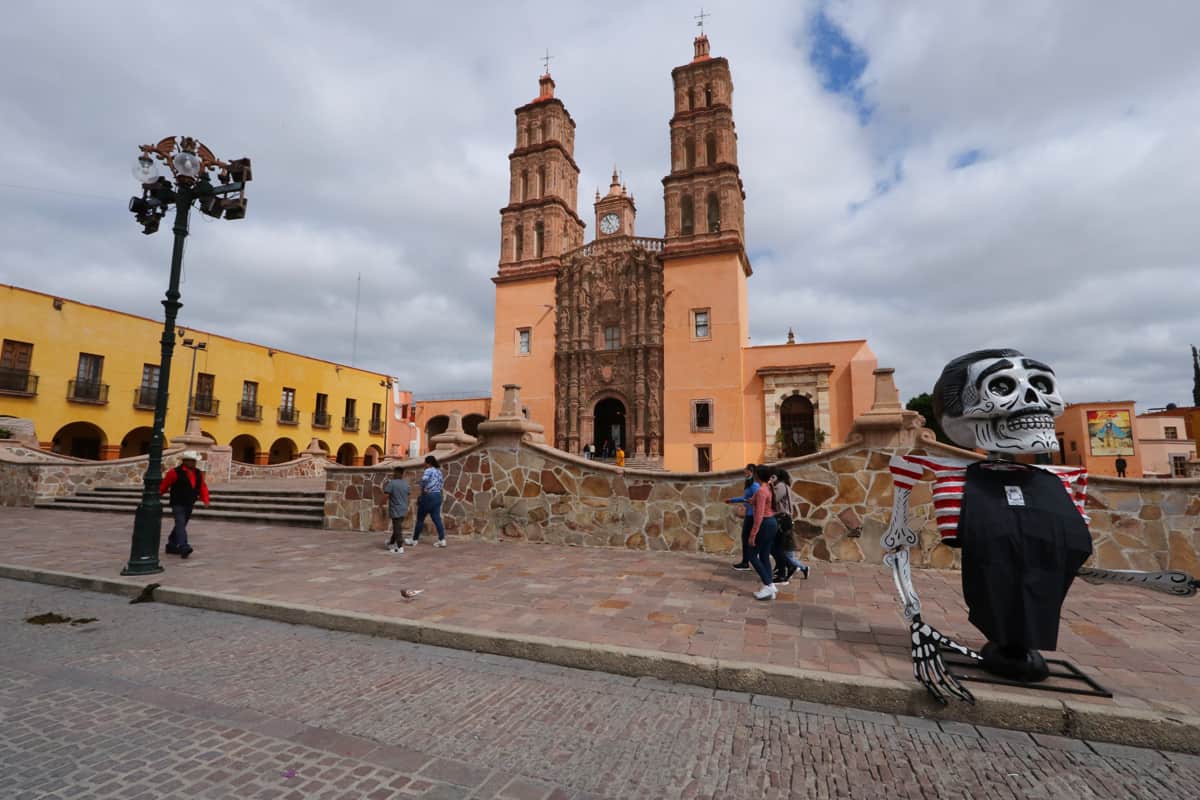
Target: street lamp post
190	163
193	346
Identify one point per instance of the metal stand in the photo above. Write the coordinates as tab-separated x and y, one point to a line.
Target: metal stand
1069	672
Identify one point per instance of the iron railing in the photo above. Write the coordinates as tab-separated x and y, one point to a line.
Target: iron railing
18	381
349	423
611	243
288	415
144	397
249	411
205	405
376	426
321	419
87	391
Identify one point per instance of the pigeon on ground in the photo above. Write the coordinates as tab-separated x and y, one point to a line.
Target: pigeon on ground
147	595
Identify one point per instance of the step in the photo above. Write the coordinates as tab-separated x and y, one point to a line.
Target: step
309	501
296	520
245	508
281	494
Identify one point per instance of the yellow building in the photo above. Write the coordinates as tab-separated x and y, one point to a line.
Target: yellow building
87	376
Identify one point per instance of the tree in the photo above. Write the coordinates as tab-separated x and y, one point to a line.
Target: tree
923	405
1195	376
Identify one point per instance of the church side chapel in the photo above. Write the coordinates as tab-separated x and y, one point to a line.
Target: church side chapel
641	343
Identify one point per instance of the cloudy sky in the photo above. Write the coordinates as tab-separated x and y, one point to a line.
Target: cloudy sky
935	177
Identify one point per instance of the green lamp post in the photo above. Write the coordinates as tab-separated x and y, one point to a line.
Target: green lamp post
190	164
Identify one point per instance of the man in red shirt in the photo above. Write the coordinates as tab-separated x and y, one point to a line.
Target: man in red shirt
186	485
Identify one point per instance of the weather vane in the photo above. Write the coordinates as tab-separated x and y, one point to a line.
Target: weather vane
546	60
700	20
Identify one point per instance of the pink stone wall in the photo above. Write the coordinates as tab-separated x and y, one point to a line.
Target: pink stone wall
539	494
304	467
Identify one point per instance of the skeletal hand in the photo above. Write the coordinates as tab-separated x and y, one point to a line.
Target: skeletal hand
928	667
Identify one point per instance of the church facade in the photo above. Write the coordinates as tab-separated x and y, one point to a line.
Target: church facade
643	343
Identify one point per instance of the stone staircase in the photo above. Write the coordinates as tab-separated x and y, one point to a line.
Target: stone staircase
636	462
263	506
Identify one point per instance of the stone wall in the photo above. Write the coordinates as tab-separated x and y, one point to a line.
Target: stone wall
23	481
539	494
306	466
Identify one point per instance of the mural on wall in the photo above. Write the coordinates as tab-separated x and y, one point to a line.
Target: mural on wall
1110	433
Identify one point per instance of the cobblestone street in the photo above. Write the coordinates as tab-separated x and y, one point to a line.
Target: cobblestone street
157	701
1143	646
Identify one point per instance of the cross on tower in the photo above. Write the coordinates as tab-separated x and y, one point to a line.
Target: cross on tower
546	60
700	20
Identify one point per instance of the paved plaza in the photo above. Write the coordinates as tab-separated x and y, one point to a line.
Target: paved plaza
1143	646
159	701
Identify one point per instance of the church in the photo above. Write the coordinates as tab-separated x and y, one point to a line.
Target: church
643	343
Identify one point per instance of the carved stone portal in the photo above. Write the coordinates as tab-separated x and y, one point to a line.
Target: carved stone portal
608	362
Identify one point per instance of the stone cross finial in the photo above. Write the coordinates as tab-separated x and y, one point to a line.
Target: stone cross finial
546	60
791	336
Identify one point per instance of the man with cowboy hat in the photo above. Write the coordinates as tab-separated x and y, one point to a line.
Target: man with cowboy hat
186	485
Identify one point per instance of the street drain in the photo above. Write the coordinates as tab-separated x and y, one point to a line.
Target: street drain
58	619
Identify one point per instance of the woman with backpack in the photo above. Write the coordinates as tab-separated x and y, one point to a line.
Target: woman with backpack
784	552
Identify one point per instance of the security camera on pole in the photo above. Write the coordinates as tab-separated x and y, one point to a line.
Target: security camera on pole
190	164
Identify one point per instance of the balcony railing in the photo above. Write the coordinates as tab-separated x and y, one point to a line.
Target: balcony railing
321	419
376	426
87	392
18	381
249	411
144	397
205	405
349	423
288	415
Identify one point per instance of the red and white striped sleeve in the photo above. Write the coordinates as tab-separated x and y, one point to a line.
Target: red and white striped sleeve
1074	480
948	478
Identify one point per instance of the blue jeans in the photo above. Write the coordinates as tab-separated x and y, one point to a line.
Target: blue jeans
429	505
760	555
178	537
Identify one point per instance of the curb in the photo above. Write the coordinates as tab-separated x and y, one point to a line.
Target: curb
1152	729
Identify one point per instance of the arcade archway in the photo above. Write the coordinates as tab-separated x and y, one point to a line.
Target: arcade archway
136	442
346	454
283	449
245	448
79	439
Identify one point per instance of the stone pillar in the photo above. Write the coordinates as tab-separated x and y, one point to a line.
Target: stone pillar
109	452
453	438
262	458
887	424
314	450
356	461
510	428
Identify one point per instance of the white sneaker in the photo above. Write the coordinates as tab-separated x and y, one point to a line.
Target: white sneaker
398	551
440	543
409	542
767	592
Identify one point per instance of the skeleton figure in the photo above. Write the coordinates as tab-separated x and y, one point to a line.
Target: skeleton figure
1022	529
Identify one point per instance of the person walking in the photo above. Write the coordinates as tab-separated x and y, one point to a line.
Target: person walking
763	532
749	488
429	503
784	552
620	457
1121	465
186	485
397	490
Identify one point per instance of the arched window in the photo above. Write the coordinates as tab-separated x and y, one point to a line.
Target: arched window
687	223
710	149
541	182
539	239
714	213
519	243
524	185
545	131
707	95
691	99
689	153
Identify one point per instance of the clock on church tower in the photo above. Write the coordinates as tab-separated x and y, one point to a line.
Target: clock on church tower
615	211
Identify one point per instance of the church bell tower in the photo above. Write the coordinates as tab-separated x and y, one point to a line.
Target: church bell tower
537	226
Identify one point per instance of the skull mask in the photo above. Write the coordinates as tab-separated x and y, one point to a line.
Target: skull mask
999	401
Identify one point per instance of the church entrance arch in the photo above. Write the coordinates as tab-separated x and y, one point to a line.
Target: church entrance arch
609	425
797	421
